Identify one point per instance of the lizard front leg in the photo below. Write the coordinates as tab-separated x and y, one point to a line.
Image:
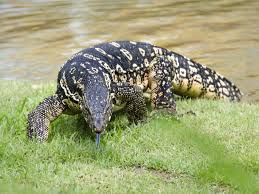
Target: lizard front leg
39	119
133	96
160	83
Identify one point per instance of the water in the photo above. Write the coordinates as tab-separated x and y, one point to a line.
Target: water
37	37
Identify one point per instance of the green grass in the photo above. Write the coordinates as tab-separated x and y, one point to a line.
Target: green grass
215	151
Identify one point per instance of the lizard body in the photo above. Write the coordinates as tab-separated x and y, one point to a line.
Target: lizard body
94	79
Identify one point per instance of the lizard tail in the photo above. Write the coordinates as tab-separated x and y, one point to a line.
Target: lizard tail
192	79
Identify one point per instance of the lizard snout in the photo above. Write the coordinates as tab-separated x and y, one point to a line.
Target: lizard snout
98	130
99	123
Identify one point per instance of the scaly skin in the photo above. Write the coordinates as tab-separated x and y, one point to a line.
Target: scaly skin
40	118
119	73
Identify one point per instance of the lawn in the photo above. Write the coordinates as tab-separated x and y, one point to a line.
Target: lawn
213	151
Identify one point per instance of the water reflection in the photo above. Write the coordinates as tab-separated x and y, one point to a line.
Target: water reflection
37	36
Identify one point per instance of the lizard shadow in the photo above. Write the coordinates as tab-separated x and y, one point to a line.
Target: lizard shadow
76	126
71	126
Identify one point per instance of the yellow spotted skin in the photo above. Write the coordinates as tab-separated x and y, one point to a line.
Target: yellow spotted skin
122	72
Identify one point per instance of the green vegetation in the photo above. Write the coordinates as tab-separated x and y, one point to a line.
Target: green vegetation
215	151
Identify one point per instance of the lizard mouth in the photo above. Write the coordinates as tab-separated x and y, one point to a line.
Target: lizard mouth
98	130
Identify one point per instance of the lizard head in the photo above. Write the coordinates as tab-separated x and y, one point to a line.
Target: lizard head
97	104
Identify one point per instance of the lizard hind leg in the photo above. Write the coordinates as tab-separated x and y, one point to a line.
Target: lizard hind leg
160	83
133	96
39	119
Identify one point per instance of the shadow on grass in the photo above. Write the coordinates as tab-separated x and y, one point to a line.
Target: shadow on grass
75	125
223	167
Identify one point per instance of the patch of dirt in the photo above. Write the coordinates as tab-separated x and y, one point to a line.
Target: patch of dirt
167	176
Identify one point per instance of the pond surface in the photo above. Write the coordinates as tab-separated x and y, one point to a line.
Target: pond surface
36	37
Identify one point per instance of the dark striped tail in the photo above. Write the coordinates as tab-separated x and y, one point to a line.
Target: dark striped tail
195	80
